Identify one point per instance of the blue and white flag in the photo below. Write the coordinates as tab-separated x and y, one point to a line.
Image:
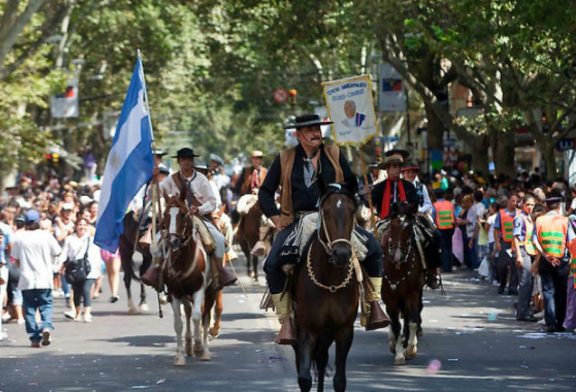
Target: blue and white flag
129	165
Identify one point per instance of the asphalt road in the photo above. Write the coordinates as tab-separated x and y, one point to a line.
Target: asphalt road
470	337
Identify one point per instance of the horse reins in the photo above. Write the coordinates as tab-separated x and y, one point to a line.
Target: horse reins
328	247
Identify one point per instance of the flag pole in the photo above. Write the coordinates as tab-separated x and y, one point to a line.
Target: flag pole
153	179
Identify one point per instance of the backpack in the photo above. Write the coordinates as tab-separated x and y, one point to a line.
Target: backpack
77	271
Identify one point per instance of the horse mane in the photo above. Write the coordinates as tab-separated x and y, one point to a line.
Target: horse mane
336	188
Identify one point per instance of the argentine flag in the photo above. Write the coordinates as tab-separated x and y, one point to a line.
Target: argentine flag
129	165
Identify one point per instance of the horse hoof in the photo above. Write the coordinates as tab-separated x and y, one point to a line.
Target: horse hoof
206	356
214	332
188	349
163	299
180	361
144	308
198	350
132	310
399	361
410	354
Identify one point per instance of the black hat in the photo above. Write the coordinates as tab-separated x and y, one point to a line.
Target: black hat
159	152
410	165
185	152
307	120
554	196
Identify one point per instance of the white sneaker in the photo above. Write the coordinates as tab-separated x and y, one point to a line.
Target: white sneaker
87	318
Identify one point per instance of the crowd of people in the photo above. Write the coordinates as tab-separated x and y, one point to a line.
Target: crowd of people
517	233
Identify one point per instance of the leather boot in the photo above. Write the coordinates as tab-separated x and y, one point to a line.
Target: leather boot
221	274
283	305
376	318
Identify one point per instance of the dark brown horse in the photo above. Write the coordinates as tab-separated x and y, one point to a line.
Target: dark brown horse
186	273
127	249
402	285
326	293
247	235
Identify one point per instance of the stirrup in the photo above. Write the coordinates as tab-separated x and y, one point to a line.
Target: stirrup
287	334
377	318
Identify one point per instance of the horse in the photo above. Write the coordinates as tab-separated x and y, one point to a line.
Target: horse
326	293
247	235
186	275
402	286
126	250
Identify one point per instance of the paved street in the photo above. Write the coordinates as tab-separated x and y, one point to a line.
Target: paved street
471	332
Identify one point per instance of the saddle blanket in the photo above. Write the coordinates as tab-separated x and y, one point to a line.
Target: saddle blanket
301	235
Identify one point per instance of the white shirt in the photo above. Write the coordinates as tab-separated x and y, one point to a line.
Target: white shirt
477	210
75	247
200	187
491	219
36	251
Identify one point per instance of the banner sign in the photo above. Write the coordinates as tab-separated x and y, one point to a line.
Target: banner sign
392	92
350	105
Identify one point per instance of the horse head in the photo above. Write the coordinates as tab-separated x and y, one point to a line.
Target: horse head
337	221
177	221
398	243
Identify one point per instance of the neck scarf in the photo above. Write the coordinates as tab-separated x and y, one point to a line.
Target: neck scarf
309	171
386	198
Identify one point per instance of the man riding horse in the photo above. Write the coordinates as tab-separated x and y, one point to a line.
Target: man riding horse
395	190
247	188
299	171
201	202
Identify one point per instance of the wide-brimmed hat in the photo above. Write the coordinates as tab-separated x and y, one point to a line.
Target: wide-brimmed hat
185	152
257	154
200	165
162	168
159	152
410	165
307	120
394	156
217	159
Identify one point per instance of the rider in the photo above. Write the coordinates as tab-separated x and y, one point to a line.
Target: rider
298	171
249	183
202	202
431	234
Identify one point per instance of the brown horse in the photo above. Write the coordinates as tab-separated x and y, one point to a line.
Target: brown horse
186	273
326	293
402	285
247	235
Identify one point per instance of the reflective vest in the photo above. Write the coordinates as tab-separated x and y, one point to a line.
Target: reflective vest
572	249
506	226
527	243
444	214
551	231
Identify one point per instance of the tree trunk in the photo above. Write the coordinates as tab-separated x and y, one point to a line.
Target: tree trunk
435	128
548	155
480	158
504	159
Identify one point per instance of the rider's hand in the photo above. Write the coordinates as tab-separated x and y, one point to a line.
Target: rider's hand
519	263
276	220
193	210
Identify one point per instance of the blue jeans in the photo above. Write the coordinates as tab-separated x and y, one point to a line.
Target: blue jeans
446	248
37	299
554	285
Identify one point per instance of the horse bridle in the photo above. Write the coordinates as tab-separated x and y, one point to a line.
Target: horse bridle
184	240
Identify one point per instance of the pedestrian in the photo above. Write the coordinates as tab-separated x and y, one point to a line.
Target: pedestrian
76	246
113	264
550	239
35	251
503	236
570	319
525	253
443	215
491	214
3	282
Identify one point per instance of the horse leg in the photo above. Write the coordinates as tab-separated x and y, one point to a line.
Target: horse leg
179	360
196	318
419	332
413	316
128	283
254	267
305	344
206	316
344	339
215	330
396	340
321	359
188	315
394	327
143	306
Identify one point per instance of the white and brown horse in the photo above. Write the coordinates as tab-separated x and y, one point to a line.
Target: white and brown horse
187	277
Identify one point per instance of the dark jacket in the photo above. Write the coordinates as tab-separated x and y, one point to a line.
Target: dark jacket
409	189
